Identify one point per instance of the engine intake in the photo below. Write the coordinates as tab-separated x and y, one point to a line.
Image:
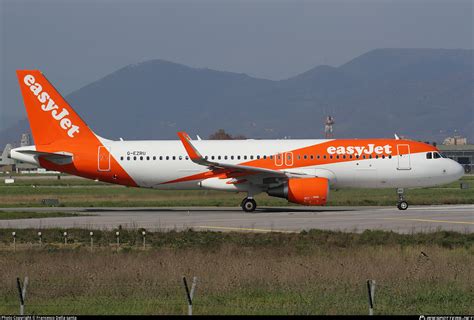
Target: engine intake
305	191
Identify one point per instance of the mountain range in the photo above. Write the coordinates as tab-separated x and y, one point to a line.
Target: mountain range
423	94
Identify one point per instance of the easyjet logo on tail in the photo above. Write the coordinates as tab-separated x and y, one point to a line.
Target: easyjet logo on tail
359	150
48	105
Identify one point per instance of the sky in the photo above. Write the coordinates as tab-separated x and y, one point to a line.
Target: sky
77	42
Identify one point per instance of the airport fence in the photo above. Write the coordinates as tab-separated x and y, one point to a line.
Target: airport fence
152	298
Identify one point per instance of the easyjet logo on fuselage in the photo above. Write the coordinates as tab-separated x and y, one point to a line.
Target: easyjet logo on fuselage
48	105
359	150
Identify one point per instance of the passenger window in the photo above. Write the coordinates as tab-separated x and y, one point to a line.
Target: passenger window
330	157
245	157
231	157
180	157
370	156
305	157
251	157
258	156
363	156
324	156
337	157
318	156
212	157
141	158
271	157
376	157
167	157
154	157
383	156
390	156
264	157
174	157
161	157
225	157
299	157
344	156
350	156
218	157
187	158
312	157
436	155
128	158
121	158
238	157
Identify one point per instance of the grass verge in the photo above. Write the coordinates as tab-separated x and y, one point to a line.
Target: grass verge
9	215
83	193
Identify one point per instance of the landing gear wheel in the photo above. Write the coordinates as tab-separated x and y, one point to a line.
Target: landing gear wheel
248	205
402	205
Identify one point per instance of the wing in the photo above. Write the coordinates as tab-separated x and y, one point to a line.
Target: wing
235	169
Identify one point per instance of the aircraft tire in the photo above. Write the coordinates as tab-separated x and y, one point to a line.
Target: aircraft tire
249	205
402	205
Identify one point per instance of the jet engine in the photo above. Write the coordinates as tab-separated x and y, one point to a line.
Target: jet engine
305	191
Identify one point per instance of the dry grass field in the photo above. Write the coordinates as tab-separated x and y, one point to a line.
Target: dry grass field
316	272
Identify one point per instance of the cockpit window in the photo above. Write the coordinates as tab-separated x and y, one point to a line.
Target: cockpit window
436	155
429	155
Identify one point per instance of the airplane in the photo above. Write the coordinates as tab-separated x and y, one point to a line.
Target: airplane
302	171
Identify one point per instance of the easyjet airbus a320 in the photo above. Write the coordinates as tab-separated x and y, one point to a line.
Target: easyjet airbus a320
302	171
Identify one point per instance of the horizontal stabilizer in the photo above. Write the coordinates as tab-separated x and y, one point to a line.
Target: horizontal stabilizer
61	158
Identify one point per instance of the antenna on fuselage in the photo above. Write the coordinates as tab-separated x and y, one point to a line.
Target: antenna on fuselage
396	136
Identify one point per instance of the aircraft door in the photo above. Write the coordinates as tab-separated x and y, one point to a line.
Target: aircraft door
103	158
403	157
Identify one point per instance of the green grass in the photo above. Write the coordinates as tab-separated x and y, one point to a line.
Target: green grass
8	215
86	193
314	272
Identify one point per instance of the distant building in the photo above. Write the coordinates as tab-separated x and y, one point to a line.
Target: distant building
25	140
328	127
462	153
10	165
455	140
6	164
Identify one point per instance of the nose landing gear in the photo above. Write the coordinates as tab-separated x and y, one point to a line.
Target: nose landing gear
402	204
248	205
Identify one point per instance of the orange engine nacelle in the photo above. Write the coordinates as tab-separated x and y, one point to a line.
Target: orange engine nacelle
305	191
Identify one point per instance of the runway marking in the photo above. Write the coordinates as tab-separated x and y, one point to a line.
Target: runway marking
427	220
245	229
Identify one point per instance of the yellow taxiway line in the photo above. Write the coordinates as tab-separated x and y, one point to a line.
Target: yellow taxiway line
245	229
427	220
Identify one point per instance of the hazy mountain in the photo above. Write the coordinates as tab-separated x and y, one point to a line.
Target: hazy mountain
421	93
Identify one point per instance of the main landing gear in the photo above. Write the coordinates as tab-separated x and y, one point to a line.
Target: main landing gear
248	205
402	204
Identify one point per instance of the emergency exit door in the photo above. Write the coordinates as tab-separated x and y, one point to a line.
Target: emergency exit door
403	157
104	158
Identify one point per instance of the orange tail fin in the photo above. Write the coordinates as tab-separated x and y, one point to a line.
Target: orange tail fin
51	118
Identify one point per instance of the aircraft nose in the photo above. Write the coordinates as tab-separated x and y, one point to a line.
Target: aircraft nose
457	170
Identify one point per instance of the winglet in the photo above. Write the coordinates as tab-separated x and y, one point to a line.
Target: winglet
190	149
